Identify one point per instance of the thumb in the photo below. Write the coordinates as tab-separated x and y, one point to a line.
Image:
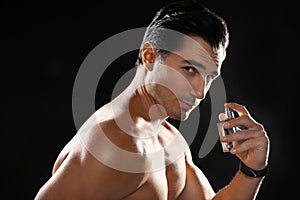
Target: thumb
222	116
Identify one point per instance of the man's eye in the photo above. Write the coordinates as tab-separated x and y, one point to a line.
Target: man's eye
189	69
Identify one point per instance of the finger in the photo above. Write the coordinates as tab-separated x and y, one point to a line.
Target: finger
243	121
253	143
240	109
222	116
242	135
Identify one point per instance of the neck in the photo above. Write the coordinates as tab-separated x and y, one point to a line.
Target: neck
135	110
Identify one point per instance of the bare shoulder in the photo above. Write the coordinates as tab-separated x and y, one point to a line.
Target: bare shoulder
197	183
87	168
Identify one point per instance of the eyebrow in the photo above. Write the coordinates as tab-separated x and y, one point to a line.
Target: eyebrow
197	64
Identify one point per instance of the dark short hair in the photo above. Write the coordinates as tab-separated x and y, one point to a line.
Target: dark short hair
189	17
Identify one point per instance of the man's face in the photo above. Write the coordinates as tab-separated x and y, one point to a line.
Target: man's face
183	78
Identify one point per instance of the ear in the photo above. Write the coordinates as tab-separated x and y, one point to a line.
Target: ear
148	55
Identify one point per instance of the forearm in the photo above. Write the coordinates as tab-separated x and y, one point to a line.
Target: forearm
241	187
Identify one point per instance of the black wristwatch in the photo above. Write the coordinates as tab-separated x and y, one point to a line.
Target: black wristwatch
253	173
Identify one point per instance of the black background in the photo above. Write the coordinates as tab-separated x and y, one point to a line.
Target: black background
44	44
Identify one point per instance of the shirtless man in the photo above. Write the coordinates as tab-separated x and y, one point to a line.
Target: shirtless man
128	150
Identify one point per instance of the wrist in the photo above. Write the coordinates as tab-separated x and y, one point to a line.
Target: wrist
253	173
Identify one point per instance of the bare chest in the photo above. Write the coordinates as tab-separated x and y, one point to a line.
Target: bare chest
164	184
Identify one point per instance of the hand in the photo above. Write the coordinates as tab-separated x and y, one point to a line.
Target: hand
250	145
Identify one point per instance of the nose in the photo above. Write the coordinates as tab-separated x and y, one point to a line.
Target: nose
198	88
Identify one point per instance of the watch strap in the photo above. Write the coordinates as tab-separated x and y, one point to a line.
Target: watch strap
253	173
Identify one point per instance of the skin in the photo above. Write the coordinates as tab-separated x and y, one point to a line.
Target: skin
142	108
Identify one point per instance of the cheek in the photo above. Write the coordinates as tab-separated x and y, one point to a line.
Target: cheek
162	93
171	79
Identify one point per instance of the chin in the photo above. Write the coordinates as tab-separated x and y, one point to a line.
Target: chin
184	117
181	116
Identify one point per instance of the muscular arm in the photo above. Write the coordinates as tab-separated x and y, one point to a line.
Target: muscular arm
198	187
251	146
241	187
